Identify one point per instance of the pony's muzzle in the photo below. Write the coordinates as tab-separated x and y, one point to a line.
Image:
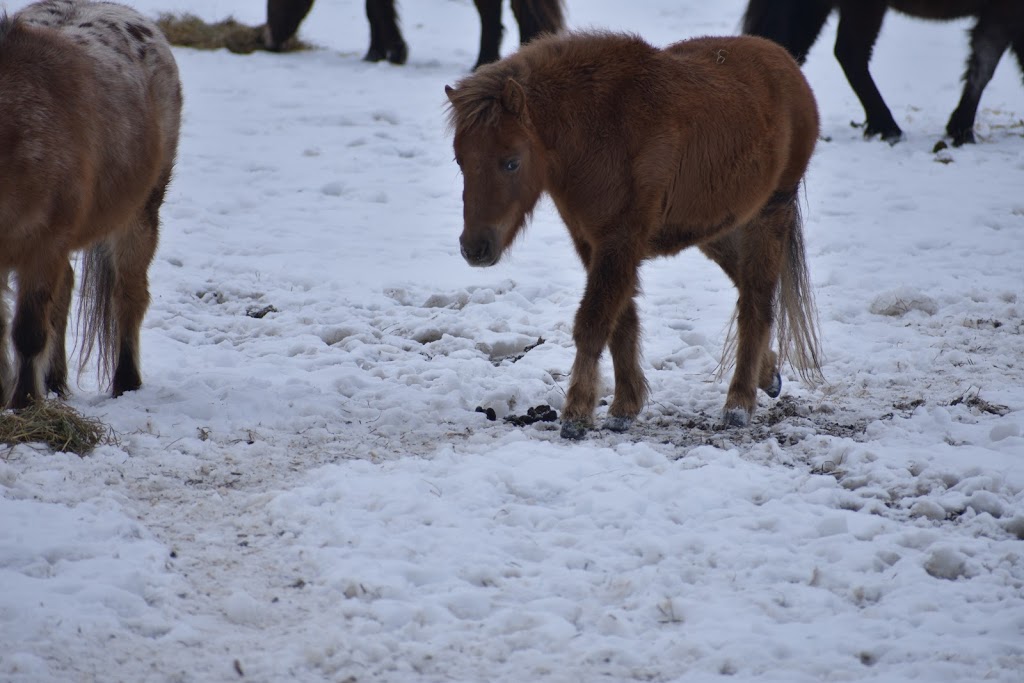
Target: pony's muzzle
480	249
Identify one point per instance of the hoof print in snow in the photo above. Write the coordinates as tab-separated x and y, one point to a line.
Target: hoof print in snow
489	412
541	413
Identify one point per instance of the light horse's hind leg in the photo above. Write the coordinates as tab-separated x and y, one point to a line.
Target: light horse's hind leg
31	333
753	258
132	252
56	379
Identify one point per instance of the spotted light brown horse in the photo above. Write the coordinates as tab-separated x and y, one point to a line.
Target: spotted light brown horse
646	152
90	109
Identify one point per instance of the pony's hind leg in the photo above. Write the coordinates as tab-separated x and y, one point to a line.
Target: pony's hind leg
630	385
752	256
989	40
56	379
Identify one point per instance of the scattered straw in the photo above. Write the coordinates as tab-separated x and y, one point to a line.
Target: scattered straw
188	30
56	424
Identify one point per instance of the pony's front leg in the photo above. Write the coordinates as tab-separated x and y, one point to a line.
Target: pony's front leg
611	281
630	384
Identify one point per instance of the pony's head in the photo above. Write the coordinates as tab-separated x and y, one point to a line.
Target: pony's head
502	162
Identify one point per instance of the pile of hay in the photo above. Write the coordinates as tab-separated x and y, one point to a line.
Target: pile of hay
56	424
188	30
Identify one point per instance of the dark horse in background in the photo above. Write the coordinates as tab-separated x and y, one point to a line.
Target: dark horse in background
386	42
796	24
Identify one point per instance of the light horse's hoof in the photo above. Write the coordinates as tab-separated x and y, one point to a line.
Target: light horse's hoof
573	429
618	423
775	388
735	417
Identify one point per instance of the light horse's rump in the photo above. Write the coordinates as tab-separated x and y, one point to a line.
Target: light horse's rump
90	110
646	152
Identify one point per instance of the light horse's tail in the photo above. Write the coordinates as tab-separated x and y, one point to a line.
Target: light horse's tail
97	327
796	317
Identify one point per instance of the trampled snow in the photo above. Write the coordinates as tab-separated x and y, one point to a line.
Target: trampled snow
303	490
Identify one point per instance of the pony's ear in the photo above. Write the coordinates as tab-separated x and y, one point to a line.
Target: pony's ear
513	99
449	91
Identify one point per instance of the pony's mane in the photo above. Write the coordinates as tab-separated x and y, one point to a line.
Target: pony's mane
477	97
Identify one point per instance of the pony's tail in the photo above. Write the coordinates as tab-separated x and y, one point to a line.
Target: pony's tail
796	315
537	17
97	322
793	24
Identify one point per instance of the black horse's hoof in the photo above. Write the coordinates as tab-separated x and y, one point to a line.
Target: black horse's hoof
735	417
618	423
890	133
775	388
573	429
963	137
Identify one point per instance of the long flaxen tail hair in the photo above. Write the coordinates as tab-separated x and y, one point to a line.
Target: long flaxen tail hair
96	328
796	317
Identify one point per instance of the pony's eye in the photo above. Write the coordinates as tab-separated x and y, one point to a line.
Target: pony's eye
511	165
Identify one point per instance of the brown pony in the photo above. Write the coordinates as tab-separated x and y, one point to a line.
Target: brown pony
646	152
90	108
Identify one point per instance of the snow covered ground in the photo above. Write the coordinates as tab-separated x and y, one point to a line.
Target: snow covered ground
310	495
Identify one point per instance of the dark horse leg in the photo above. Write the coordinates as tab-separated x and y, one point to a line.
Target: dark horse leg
752	256
386	41
793	24
490	31
283	19
859	24
989	39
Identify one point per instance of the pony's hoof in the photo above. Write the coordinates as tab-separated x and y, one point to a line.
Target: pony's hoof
618	423
735	417
775	388
573	429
